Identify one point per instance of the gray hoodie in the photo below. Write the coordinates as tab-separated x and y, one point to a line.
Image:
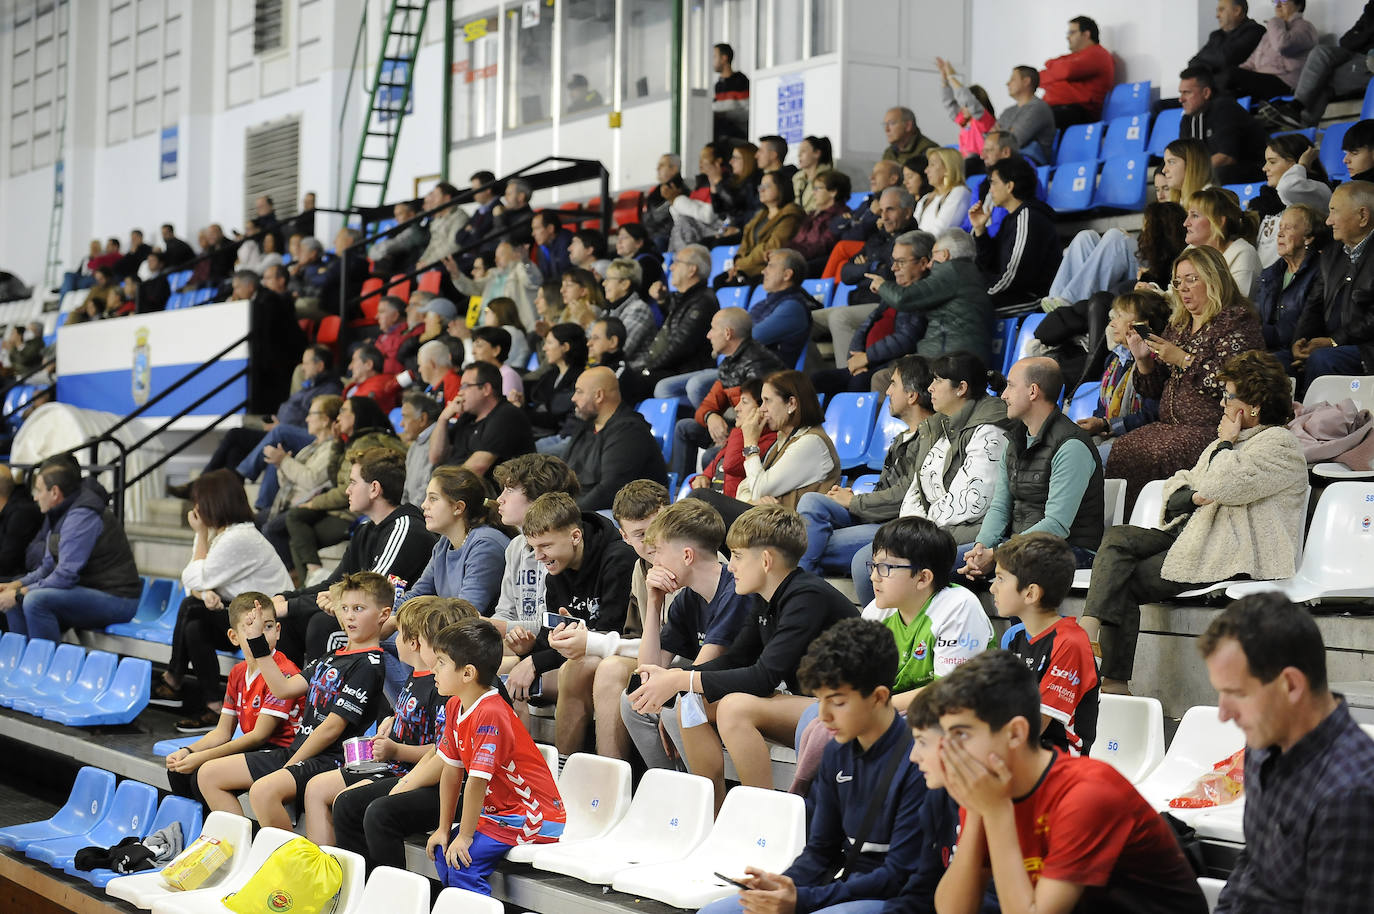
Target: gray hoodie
522	587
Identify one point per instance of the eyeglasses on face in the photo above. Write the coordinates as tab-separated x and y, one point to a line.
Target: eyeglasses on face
885	569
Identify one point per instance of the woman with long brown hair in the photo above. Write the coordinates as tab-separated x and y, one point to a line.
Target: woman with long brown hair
471	553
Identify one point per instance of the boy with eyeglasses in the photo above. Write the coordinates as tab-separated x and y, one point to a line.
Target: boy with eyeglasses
938	625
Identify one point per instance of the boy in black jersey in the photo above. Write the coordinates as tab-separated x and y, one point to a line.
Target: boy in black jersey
1034	573
373	818
405	737
342	691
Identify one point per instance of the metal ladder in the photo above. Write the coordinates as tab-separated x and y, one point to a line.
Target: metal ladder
52	272
405	23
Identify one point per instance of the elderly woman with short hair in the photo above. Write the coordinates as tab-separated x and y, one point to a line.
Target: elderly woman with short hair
1237	513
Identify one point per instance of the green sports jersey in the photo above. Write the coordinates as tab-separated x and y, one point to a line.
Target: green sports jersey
950	629
915	650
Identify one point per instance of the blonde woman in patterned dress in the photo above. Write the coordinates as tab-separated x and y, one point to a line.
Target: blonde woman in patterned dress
1210	322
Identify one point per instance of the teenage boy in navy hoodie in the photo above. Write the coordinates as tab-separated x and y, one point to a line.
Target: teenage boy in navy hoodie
850	669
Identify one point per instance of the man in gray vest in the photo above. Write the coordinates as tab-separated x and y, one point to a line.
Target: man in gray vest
83	573
1051	476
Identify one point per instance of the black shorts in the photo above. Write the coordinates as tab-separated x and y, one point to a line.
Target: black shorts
355	777
266	761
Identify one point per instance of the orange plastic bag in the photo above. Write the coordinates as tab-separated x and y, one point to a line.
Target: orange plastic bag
1220	786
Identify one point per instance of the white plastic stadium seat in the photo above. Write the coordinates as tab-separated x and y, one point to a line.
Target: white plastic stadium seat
596	795
1333	389
1202	740
1340	542
1145	513
461	901
142	889
550	754
1211	890
756	827
351	889
395	892
1130	735
208	899
1224	823
669	816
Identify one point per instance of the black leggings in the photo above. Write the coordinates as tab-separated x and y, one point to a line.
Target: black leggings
199	632
369	822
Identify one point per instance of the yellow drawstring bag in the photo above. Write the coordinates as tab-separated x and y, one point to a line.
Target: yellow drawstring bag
297	878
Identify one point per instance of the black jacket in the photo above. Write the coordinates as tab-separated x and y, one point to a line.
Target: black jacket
1340	301
1024	257
549	402
877	254
399	547
175	252
777	633
624	450
1224	50
275	344
128	264
19	523
598	592
751	360
153	294
680	344
1359	38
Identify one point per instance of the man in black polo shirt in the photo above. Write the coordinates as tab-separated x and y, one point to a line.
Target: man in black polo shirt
490	429
1233	138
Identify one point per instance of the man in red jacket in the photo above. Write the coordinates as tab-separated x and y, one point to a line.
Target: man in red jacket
1077	84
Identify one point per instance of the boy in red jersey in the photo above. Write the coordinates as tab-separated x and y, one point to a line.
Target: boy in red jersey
1034	573
266	721
1055	833
509	797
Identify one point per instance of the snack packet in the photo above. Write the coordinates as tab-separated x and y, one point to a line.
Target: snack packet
1220	786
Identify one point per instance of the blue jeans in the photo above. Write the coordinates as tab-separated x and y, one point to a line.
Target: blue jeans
690	388
48	610
291	437
554	445
832	536
730	905
1333	360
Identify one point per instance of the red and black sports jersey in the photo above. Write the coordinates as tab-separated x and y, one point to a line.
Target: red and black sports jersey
1062	659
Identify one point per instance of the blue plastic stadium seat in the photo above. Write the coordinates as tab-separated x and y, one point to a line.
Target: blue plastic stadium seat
1042	187
841	297
204	295
1024	337
758	295
1080	143
85	806
1165	130
1004	342
1246	192
1123	184
885	431
1309	132
859	196
119	704
160	630
128	814
822	290
862	485
1244	101
721	258
975	183
178	279
395	418
1367	108
733	296
1073	187
32	665
1084	400
151	606
66	663
1127	99
849	423
89	685
172	810
11	649
1126	136
662	415
1332	156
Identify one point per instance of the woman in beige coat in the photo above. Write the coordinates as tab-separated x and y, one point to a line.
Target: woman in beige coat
312	469
1237	513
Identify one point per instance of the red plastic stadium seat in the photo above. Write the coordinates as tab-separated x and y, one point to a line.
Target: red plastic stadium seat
328	334
429	282
627	207
399	289
371	298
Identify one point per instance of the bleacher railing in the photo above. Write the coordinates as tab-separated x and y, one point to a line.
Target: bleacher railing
574	171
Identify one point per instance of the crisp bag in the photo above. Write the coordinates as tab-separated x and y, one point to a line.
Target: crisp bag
1220	786
195	865
297	877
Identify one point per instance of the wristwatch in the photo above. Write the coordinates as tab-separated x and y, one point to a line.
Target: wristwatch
751	450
